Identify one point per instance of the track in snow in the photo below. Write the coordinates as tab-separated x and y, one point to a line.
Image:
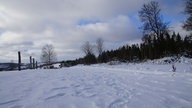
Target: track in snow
95	87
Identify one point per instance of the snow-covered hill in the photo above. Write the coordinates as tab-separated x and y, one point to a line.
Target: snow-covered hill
171	60
144	85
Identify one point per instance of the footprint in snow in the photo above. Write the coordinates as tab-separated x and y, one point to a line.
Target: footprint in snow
126	96
119	103
9	102
59	88
75	85
55	96
17	106
85	94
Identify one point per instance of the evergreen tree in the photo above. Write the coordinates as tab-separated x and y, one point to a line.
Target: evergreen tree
90	59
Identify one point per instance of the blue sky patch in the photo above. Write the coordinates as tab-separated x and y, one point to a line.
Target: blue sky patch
86	22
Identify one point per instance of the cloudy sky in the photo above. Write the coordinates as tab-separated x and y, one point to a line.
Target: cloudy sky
27	25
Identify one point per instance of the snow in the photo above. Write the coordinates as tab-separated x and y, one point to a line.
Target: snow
143	85
168	60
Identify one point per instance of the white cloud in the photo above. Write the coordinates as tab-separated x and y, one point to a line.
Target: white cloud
178	28
116	29
27	25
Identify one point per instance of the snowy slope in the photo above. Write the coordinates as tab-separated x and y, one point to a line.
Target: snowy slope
99	86
171	60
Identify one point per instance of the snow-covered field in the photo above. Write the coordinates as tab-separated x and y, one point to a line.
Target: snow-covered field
143	85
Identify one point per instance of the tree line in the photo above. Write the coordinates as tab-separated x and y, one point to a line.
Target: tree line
150	48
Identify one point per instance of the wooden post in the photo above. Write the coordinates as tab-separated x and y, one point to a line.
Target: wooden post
33	63
36	65
19	60
30	66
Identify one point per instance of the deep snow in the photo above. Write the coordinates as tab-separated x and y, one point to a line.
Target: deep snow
143	85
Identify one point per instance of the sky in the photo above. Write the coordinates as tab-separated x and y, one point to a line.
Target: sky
28	25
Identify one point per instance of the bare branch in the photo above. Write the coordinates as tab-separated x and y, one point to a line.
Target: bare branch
151	18
48	54
99	45
87	48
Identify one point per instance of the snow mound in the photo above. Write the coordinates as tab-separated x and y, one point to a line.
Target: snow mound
171	60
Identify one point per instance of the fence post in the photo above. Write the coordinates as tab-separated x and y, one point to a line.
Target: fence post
19	61
30	66
33	63
36	65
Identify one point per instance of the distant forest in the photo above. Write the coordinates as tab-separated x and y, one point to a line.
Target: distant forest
150	48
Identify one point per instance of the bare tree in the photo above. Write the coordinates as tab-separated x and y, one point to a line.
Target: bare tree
48	55
99	45
188	10
152	20
87	48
